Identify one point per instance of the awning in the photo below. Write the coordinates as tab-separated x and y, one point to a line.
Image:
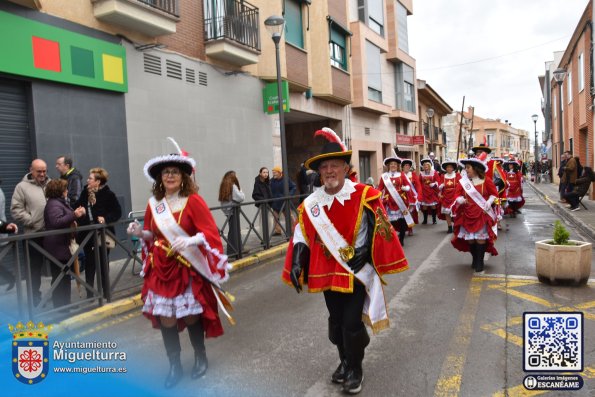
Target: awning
406	148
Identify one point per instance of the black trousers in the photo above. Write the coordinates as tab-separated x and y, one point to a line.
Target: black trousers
62	291
36	265
346	309
90	269
233	237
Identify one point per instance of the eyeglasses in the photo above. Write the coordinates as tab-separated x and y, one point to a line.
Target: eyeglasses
172	172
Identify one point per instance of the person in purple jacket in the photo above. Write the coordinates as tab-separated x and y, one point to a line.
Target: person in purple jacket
59	215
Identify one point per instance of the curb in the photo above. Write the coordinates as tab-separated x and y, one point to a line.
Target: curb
126	304
562	213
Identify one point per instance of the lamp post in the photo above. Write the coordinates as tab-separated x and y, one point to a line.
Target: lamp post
274	24
430	114
534	117
559	75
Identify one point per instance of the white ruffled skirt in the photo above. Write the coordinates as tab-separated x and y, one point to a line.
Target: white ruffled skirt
481	234
179	306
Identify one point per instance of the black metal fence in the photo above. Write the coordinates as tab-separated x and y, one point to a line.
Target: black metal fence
168	6
236	20
241	234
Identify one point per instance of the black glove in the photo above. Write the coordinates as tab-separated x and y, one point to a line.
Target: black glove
362	254
299	260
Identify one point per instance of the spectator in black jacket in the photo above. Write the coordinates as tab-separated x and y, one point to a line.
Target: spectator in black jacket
262	191
101	207
72	176
581	187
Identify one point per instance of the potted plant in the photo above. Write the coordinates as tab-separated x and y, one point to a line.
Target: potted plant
562	259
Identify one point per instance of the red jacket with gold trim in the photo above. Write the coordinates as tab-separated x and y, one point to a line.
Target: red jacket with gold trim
323	271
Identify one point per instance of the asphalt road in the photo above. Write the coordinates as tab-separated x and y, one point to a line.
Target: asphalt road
451	333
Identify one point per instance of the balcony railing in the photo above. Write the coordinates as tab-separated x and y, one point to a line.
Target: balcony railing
234	20
168	6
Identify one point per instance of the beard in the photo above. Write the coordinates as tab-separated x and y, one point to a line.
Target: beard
332	184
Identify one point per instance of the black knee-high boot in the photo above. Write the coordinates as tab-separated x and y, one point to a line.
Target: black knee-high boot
425	222
402	230
472	250
480	252
434	216
355	345
197	338
335	335
171	340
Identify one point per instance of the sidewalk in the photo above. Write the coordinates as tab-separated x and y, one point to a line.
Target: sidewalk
583	219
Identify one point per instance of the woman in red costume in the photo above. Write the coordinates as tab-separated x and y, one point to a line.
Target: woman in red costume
475	228
182	260
414	193
514	193
430	180
448	187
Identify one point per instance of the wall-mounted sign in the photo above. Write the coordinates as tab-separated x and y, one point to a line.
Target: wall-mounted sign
34	49
410	139
270	98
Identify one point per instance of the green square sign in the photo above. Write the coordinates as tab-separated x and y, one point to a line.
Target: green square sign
270	98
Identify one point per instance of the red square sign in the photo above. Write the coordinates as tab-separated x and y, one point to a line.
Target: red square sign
46	54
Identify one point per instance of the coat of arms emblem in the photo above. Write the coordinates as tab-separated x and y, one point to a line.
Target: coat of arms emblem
315	211
30	352
160	208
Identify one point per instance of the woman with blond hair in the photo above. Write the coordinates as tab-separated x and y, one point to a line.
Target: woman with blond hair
230	195
102	207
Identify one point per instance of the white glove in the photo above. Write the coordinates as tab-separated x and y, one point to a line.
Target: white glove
183	242
461	200
135	229
441	186
433	184
489	203
405	188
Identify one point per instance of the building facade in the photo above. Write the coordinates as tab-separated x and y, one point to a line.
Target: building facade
432	110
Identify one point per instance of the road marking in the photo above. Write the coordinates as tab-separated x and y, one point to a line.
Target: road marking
98	328
323	387
451	375
524	296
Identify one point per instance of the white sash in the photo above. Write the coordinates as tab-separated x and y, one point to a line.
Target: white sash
169	228
395	196
411	184
479	200
374	306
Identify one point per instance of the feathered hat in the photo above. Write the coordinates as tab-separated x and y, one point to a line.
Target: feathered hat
332	149
426	160
483	146
181	160
406	161
513	162
392	157
479	160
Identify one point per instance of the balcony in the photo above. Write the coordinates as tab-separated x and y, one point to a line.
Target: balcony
231	32
151	17
35	4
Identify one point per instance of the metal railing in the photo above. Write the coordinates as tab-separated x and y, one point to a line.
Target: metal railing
236	20
240	233
167	6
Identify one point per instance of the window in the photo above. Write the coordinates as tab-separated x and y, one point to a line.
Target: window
364	166
402	31
490	141
569	87
294	31
405	87
581	72
571	146
374	72
555	101
371	12
338	47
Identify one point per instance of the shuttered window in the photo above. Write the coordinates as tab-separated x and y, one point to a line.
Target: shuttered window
294	28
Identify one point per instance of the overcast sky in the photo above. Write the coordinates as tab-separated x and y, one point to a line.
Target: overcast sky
491	51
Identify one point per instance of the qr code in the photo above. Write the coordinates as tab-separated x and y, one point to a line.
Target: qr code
553	341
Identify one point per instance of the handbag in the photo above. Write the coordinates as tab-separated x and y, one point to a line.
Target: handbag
110	243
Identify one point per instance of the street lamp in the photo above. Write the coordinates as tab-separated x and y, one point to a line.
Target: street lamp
430	114
274	24
534	117
559	75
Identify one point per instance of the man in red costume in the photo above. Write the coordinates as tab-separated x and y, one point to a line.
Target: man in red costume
342	246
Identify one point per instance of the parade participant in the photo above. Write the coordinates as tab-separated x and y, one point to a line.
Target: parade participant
341	246
498	176
352	174
475	228
183	264
450	181
430	180
514	193
414	192
395	196
435	163
482	148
